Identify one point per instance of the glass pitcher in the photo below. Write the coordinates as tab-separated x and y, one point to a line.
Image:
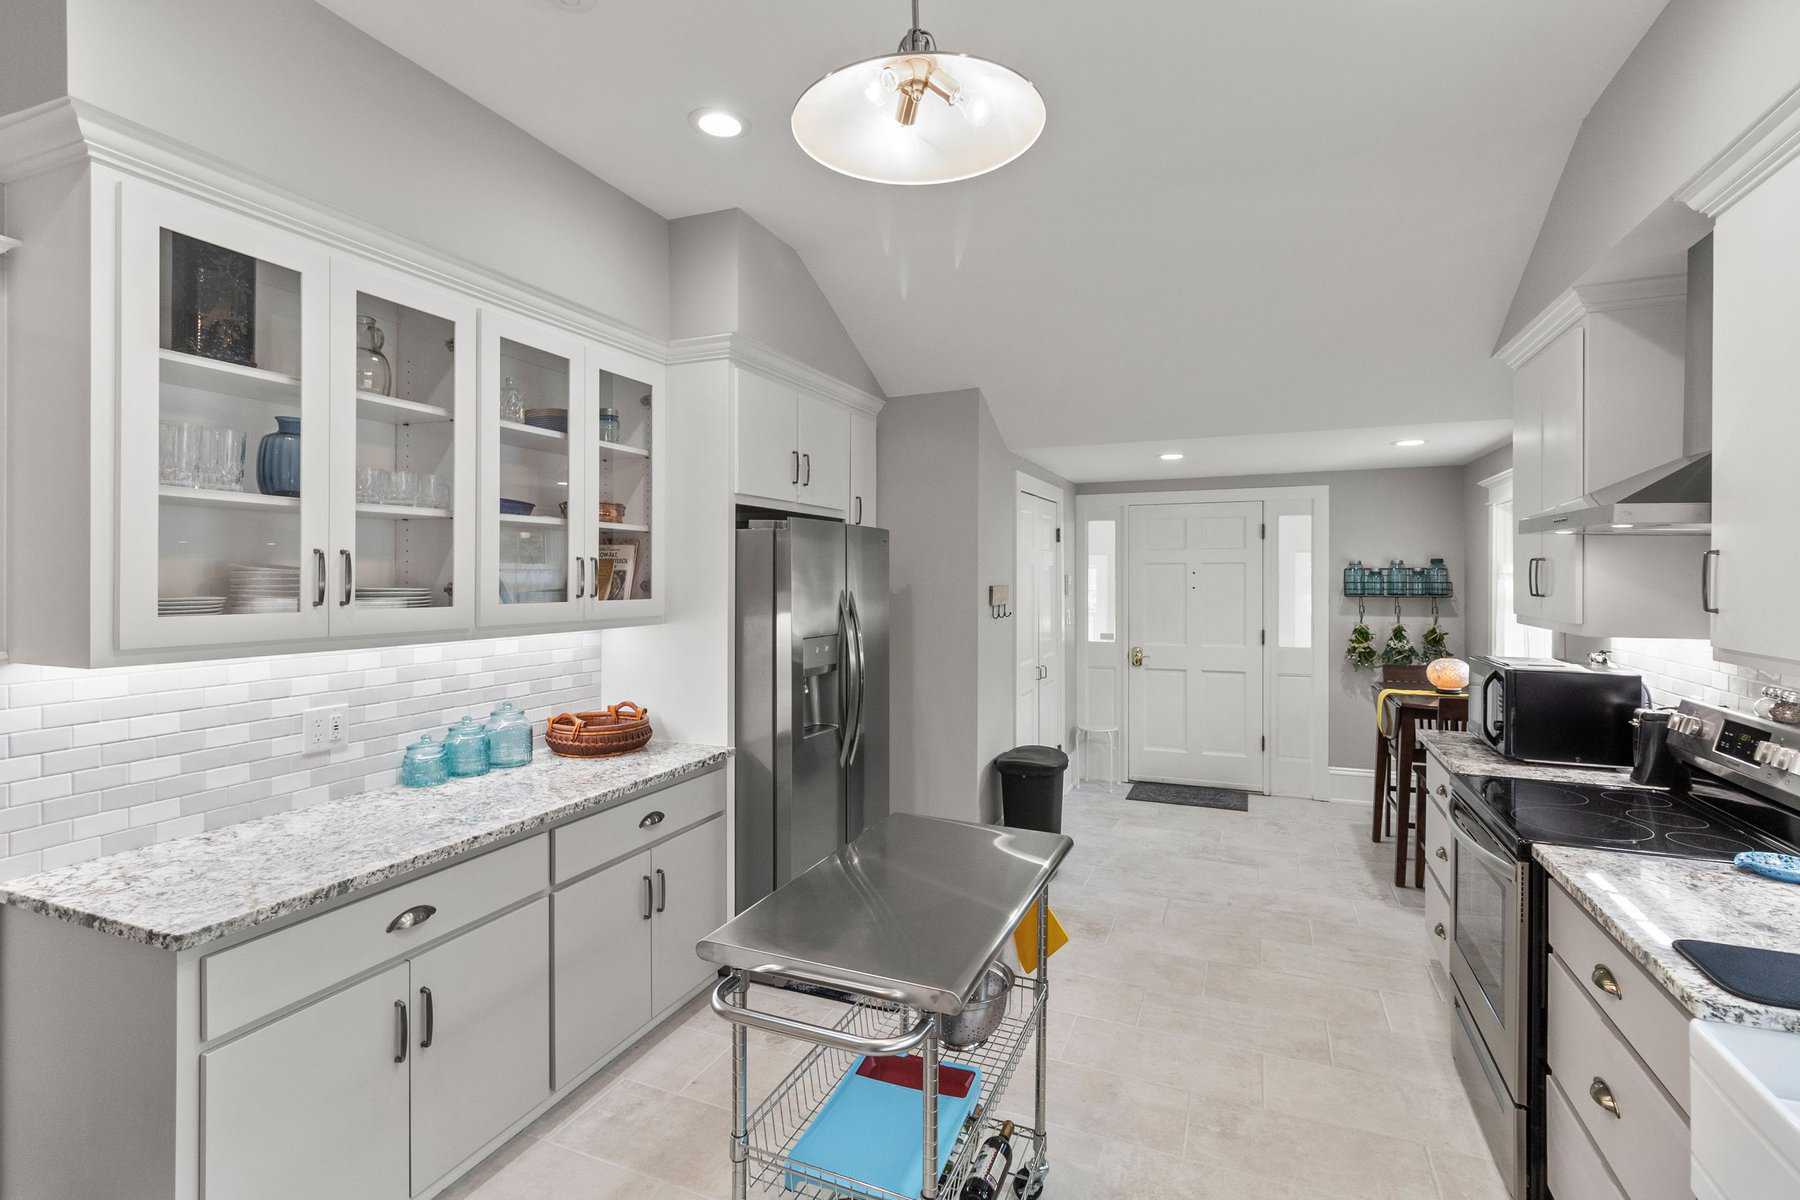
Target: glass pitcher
373	371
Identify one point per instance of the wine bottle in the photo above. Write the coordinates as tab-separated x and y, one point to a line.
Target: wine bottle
994	1164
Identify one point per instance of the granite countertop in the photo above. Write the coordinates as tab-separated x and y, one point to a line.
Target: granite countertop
183	893
1467	754
1647	902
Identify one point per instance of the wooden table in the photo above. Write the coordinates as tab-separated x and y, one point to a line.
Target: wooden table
1403	716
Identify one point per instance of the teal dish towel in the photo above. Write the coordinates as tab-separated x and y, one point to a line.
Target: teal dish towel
868	1129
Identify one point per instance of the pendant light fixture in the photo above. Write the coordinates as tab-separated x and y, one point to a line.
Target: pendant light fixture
920	115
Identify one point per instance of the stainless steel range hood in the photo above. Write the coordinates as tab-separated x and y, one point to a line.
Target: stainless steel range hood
1673	498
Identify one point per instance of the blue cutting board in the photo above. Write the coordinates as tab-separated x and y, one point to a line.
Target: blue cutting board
868	1131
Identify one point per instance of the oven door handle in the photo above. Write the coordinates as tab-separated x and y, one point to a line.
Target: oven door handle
1478	840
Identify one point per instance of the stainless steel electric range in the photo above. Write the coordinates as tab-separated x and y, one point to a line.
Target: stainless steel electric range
1739	789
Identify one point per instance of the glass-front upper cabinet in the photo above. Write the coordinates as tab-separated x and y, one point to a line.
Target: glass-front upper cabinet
624	392
403	462
223	408
536	425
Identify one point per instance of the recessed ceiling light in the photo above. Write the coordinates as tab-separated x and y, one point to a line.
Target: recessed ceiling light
716	122
1410	442
1171	456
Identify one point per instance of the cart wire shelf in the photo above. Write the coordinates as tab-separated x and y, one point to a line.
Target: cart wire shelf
776	1124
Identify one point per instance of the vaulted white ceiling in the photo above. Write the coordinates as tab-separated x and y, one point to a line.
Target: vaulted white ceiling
1244	218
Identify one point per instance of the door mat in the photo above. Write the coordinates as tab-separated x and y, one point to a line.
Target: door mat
1193	797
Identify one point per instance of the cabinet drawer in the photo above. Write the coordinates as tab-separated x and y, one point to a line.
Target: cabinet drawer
1572	1167
258	977
1438	838
1646	1142
1437	926
582	845
1654	1025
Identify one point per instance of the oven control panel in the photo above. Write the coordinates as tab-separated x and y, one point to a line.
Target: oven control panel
1746	745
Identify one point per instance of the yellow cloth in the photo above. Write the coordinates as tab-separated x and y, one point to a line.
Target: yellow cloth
1025	939
1381	702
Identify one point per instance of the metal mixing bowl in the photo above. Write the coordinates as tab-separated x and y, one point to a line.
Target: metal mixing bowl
982	1012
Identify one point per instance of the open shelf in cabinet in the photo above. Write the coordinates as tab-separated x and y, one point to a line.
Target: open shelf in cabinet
519	519
403	512
530	437
211	498
228	378
372	406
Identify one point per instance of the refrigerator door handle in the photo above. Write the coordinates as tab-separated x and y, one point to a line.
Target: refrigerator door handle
850	695
862	679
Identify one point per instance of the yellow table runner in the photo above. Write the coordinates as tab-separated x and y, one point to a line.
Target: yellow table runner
1381	702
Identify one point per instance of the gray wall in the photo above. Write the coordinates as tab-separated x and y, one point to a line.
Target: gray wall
1477	596
1703	74
34	63
1415	514
338	118
730	275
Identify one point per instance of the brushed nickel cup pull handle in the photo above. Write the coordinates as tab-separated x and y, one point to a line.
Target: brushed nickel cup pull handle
653	818
1600	1093
417	915
1605	980
1439	930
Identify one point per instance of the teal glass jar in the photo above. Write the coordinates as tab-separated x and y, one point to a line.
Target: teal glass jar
508	736
423	764
466	748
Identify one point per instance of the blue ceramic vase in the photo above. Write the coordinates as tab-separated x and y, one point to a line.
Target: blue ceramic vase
278	459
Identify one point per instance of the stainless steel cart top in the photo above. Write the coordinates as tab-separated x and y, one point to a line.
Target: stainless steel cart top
910	912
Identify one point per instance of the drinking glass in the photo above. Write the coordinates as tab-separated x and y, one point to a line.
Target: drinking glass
434	492
237	446
371	485
168	452
403	487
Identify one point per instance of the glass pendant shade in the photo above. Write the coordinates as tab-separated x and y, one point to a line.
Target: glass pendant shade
919	117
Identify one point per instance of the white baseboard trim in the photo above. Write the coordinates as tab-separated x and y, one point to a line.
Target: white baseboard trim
1354	784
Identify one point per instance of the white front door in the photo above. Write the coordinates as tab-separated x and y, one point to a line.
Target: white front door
1195	658
1038	638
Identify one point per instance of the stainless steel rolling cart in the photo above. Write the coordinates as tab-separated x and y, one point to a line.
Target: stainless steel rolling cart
900	925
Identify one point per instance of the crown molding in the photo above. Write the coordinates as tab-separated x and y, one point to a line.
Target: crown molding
69	131
1582	300
1769	145
747	351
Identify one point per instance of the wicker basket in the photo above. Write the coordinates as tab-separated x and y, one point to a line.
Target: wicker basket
620	729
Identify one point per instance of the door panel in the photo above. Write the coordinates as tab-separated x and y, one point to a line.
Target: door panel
768	437
824	453
1560	367
1196	604
602	959
327	1069
866	781
1560	577
481	1041
863	451
1038	628
689	872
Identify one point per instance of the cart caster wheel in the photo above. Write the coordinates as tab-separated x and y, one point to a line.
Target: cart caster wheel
1029	1184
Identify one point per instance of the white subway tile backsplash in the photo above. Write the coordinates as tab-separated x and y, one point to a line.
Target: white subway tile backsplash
95	762
1676	670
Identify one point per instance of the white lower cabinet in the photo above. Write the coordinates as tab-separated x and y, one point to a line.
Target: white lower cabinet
690	903
602	949
314	1104
480	1037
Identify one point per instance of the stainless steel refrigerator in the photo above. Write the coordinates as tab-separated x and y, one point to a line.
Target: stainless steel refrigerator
811	693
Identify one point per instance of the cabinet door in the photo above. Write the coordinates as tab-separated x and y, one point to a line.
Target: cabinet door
533	561
1756	423
403	454
766	417
1559	385
628	474
862	470
1561	577
314	1104
1528	561
689	878
1528	483
603	930
824	452
222	339
481	1037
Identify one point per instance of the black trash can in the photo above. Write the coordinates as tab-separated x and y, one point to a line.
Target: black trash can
1031	787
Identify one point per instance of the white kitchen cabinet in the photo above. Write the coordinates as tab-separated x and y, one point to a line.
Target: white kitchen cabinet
481	1037
1756	422
1547	568
603	982
824	452
1561	409
767	420
862	470
690	903
314	1104
629	474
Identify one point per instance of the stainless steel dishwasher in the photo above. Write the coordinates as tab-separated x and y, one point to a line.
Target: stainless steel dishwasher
900	927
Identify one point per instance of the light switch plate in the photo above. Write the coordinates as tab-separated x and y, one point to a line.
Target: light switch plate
325	728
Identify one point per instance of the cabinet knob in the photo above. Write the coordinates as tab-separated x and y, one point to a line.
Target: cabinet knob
1604	980
1600	1093
418	914
1439	930
1441	792
1137	656
1442	854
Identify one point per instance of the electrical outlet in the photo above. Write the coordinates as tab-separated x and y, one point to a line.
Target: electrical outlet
325	728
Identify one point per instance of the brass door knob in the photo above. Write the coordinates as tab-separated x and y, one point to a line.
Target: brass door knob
1137	656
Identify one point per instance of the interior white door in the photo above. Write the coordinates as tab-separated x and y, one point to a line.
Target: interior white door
480	1037
1037	617
1195	675
336	1070
767	437
689	877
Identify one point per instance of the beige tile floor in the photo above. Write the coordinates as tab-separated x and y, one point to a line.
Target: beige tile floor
1244	1011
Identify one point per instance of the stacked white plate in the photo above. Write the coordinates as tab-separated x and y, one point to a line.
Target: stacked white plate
189	606
263	588
393	597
